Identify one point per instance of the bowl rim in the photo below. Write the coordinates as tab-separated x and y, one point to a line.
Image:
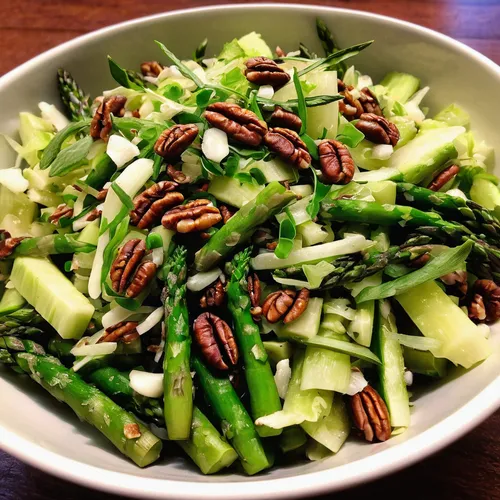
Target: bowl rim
391	460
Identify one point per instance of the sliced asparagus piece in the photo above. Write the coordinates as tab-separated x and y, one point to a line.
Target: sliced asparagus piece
264	398
241	225
76	102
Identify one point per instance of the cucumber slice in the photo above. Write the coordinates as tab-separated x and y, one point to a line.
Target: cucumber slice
292	438
230	191
391	371
438	317
425	363
278	351
11	301
306	325
53	296
16	205
312	233
383	191
254	46
485	192
400	86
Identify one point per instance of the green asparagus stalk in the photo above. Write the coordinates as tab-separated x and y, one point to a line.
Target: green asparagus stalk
177	383
22	322
241	225
476	217
76	102
52	244
131	437
236	423
264	397
329	45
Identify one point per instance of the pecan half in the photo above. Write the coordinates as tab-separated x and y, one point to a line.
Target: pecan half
211	334
61	211
196	215
420	261
151	68
125	263
240	124
213	296
255	292
125	332
101	122
93	215
288	146
152	203
369	102
378	129
370	414
272	245
175	140
485	305
457	280
264	71
337	165
142	277
442	178
352	107
8	244
285	304
226	213
101	196
285	119
177	175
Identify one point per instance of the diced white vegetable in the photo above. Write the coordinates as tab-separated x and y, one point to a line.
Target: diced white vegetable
382	151
147	384
352	244
341	307
121	150
357	383
266	91
157	256
214	145
291	282
151	321
53	115
282	377
95	349
363	81
12	179
302	190
199	281
457	193
408	376
161	348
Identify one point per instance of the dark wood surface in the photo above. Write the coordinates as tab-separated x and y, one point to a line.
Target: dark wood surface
470	468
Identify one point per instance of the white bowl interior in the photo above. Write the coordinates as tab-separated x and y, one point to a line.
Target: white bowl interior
39	430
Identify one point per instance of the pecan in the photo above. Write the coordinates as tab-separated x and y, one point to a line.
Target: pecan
485	305
352	107
370	414
196	215
262	236
125	332
420	261
240	124
255	291
151	68
337	165
93	215
378	129
457	280
144	274
442	178
369	102
101	122
214	295
285	304
177	175
285	119
226	213
126	263
203	188
152	203
264	71
289	146
132	431
61	211
8	244
272	245
211	333
175	140
101	196
280	52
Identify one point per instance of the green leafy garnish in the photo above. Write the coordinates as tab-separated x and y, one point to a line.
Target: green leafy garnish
199	53
231	164
448	261
210	167
287	234
301	102
71	157
320	192
154	240
180	65
292	104
157	163
311	145
203	98
254	105
122	77
258	175
231	50
329	45
305	53
173	91
349	135
124	197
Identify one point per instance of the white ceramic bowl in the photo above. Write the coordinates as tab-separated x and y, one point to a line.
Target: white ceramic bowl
47	435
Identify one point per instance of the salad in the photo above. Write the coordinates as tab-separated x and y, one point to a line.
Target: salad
246	258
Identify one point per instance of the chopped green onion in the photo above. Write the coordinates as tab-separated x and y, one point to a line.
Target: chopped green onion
301	103
287	234
154	240
124	197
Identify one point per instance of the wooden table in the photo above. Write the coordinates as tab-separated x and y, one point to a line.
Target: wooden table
469	468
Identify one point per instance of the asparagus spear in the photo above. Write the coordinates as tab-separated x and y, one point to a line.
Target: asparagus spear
21	323
236	423
76	102
52	244
241	225
177	376
476	217
131	437
329	45
264	397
